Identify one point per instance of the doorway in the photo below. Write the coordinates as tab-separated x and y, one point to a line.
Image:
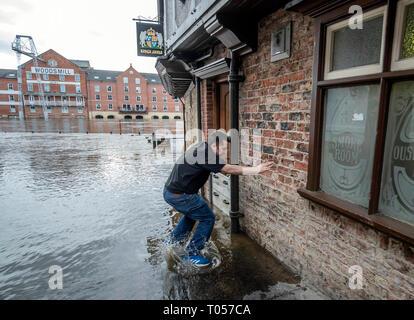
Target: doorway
222	109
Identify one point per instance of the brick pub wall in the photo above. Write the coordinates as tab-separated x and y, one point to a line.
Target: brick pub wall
317	243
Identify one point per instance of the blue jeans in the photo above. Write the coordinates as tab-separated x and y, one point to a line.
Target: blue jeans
194	208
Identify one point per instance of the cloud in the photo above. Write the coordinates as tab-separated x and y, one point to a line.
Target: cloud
5	46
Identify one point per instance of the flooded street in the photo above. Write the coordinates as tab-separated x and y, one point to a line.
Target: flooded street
92	204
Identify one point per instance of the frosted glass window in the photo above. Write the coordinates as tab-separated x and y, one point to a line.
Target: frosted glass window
407	46
354	48
397	189
350	125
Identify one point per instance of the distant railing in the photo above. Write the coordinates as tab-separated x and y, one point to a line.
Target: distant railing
131	111
55	103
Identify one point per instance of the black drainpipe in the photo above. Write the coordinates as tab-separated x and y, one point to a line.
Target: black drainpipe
234	81
199	124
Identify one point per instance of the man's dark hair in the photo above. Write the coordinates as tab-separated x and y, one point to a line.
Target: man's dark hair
218	137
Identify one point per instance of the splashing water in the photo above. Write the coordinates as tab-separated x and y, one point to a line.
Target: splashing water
174	254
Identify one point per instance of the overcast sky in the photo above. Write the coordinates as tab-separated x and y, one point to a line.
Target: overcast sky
101	31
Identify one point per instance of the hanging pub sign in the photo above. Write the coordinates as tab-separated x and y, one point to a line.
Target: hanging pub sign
150	39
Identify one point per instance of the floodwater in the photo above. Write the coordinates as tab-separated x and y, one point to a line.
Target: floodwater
92	205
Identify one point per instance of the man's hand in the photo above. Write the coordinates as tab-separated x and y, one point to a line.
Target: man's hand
264	167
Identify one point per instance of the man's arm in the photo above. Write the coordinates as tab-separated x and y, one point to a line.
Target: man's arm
246	171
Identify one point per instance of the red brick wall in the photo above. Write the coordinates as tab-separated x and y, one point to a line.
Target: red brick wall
4	97
103	92
318	244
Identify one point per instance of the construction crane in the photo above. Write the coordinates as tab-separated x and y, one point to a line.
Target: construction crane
25	45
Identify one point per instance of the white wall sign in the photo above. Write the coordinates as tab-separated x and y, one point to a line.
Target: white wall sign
57	71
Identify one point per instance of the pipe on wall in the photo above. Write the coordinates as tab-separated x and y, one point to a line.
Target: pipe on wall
234	80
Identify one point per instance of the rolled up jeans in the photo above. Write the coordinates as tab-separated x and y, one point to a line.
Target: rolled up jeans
194	208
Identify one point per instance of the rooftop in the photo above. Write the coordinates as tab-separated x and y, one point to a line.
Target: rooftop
8	73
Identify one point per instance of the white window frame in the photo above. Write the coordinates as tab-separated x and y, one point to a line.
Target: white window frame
110	98
65	109
165	107
396	63
47	87
108	88
139	98
13	109
361	70
97	97
31	98
164	91
126	98
77	77
10	86
126	89
97	88
98	107
48	109
177	108
30	87
137	81
46	77
154	107
138	89
154	90
32	109
165	99
78	89
154	99
29	75
11	98
125	80
80	110
62	77
110	107
62	88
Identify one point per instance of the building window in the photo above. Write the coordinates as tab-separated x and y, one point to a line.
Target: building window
47	88
64	100
49	109
11	97
62	88
46	77
154	107
138	89
177	108
164	99
31	98
12	109
164	91
110	107
30	87
137	81
110	97
78	89
125	80
138	98
126	89
97	88
33	109
10	86
61	77
65	109
154	99
342	41
28	75
109	88
165	108
77	78
98	106
80	110
176	100
98	97
403	47
126	98
154	90
362	134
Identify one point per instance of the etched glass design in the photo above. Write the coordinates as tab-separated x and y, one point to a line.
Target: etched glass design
397	188
350	125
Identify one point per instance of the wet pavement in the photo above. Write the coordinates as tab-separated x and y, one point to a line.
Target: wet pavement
92	204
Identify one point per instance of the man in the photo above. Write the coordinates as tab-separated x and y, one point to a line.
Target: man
190	173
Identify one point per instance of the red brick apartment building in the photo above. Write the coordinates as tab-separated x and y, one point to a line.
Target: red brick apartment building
72	89
332	106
